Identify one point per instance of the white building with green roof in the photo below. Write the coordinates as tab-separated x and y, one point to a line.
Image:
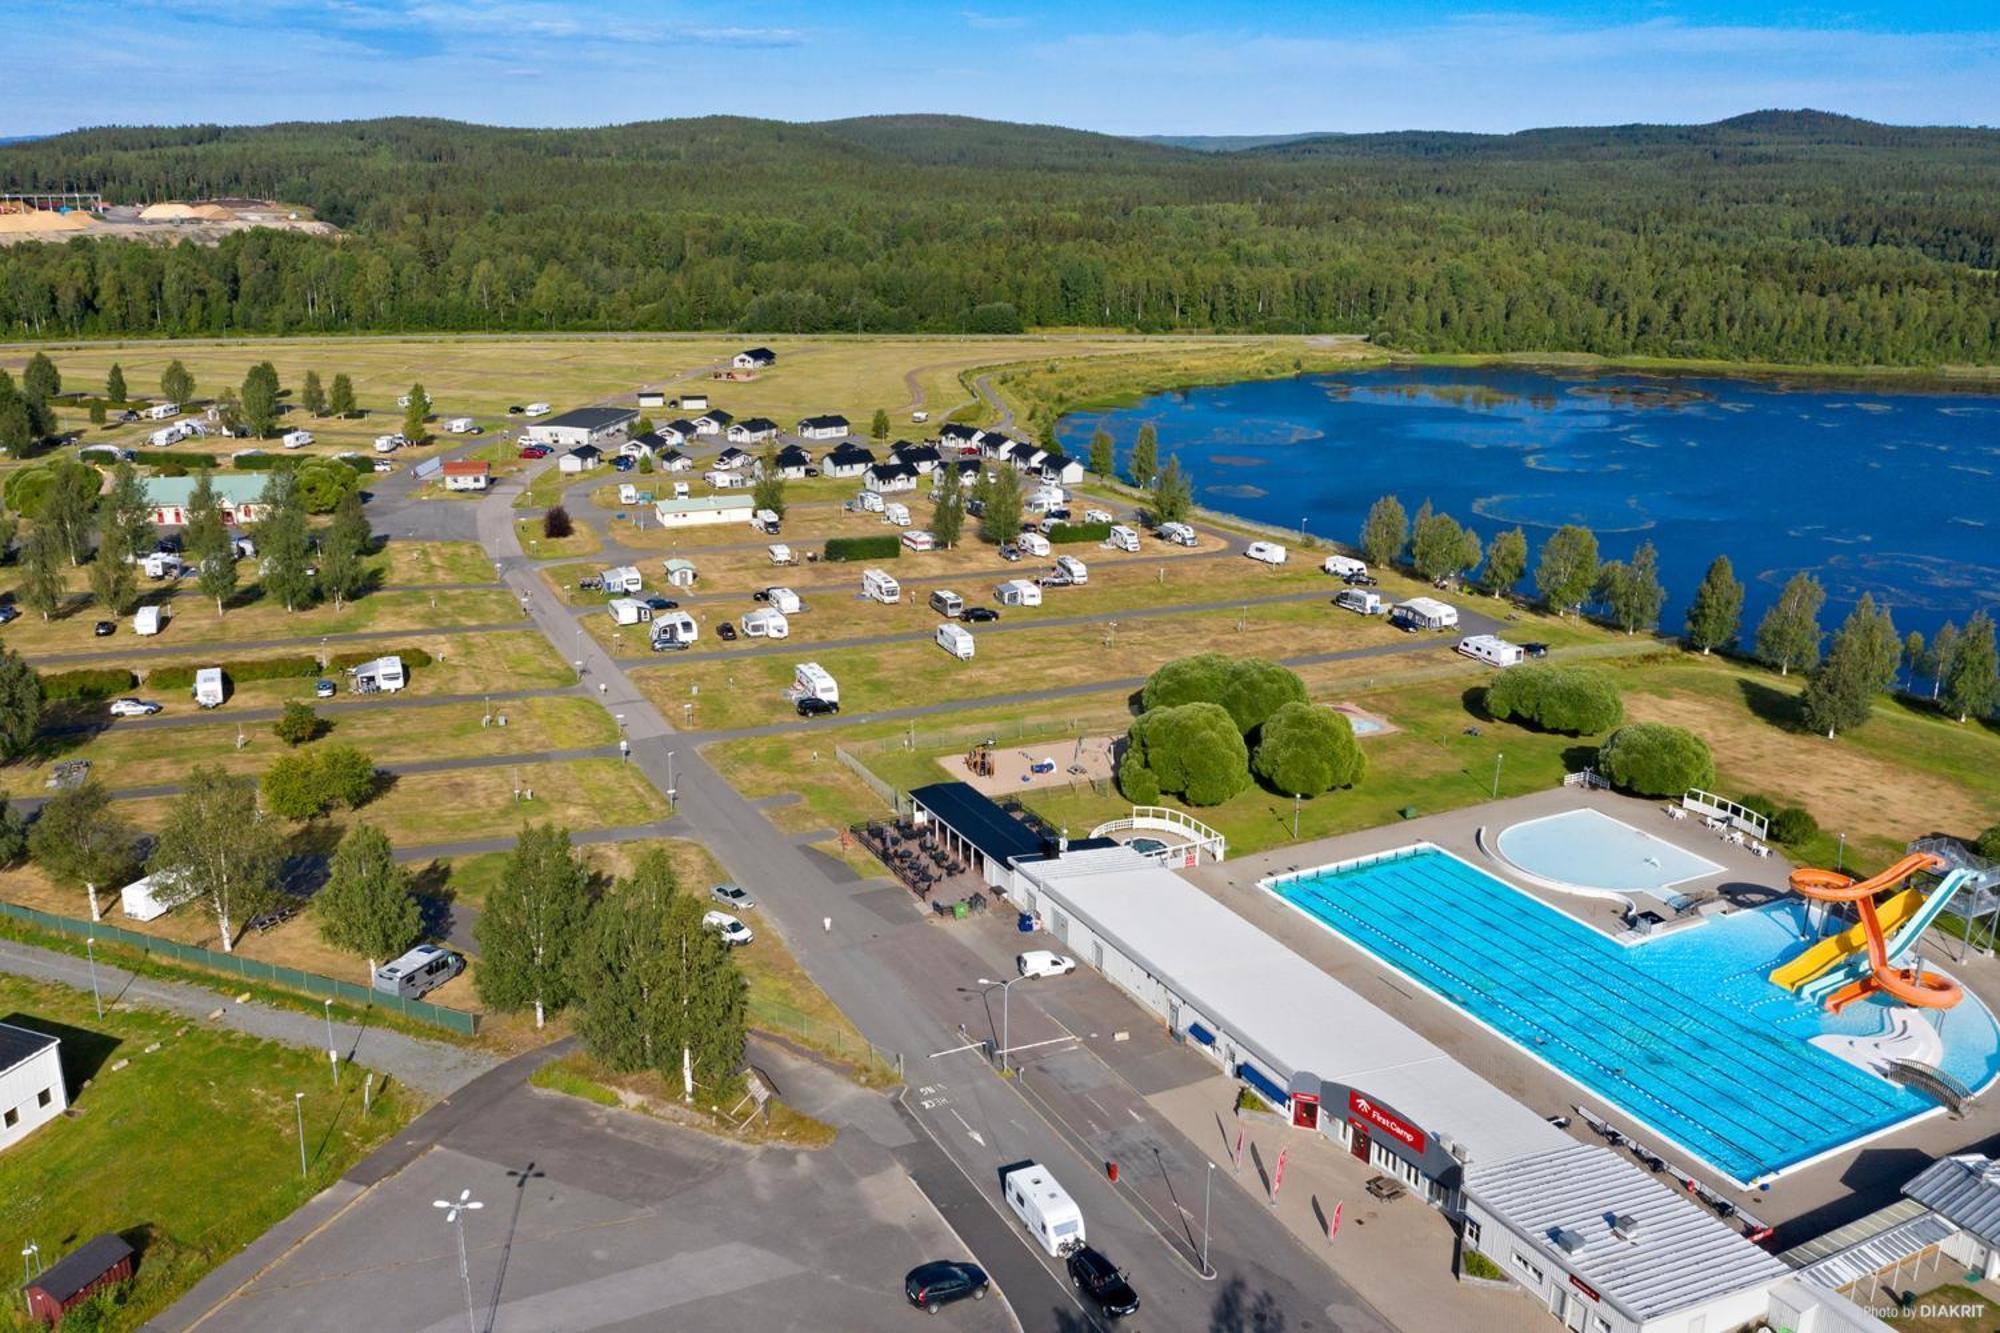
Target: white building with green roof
241	495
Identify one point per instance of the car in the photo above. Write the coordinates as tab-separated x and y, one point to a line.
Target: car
934	1285
761	595
384	465
535	451
1097	516
1361	580
104	629
811	705
1535	649
1099	1279
726	632
663	604
324	689
8	613
1010	552
978	615
733	932
621	464
1044	963
732	895
516	410
133	708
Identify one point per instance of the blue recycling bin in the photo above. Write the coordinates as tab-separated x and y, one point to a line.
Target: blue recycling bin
1025	923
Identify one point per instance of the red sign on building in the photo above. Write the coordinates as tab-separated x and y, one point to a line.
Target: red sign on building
1395	1127
1305	1110
1584	1287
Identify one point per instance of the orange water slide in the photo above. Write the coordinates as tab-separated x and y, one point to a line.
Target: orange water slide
1911	985
1830	886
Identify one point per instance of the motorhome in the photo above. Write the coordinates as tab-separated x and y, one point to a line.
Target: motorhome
783	600
878	585
388	444
1269	553
1180	534
1491	649
811	680
628	494
208	688
871	502
629	611
1018	592
623	578
674	629
764	623
1344	566
460	425
297	439
1044	1207
766	521
418	972
1423	613
384	675
956	640
680	490
1359	600
1033	543
1123	538
1072	570
149	620
947	603
898	514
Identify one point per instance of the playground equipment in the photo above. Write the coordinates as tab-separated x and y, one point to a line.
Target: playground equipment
979	759
1864	958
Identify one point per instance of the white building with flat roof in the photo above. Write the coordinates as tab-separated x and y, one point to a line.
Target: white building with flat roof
32	1092
702	510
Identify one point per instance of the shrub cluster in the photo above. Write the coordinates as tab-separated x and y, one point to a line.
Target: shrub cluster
180	675
1250	688
412	658
1191	749
1654	759
1794	826
89	684
1067	534
1573	700
178	458
885	547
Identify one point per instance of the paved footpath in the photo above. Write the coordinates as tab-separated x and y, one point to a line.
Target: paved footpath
437	1067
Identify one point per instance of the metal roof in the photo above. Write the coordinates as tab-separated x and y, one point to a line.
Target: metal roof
1675	1254
702	503
66	1278
237	488
1861	1229
978	820
590	418
1885	1249
1279	1006
1965	1189
19	1045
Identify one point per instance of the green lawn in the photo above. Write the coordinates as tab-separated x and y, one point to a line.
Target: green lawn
190	1149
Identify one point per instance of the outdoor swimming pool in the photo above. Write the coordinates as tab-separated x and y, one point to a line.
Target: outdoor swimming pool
1592	850
1684	1033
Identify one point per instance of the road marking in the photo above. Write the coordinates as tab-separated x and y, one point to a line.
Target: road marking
1135	1115
970	1131
969	1046
1052	1041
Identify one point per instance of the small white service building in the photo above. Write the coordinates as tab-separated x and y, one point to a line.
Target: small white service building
32	1091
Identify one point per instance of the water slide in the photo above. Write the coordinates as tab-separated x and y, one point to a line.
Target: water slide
1923	990
1850	944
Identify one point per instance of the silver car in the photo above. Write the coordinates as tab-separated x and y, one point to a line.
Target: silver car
732	895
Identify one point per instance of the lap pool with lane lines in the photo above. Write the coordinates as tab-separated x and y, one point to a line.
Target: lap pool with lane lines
1684	1033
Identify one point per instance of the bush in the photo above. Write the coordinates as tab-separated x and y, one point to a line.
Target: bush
1987	844
1575	701
1654	759
1250	688
180	676
1794	826
1478	1265
885	547
1304	749
308	783
297	724
90	684
178	458
556	524
1066	534
1759	804
259	462
356	462
412	658
27	489
1194	750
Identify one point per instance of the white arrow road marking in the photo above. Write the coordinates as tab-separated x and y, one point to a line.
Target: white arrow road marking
969	1129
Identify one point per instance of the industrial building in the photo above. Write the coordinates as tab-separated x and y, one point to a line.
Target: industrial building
583	425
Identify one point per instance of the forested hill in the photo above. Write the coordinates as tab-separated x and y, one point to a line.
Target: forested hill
1783	236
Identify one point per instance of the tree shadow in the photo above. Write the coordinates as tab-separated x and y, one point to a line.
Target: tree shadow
84	1051
1768	703
1474	702
1237	1309
1576	758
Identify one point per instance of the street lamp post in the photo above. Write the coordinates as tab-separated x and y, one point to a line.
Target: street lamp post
1207	1192
454	1213
1496	774
332	1050
1840	856
299	1108
670	780
1006	994
96	998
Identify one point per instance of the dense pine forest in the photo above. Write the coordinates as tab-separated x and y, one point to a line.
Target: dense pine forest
1795	237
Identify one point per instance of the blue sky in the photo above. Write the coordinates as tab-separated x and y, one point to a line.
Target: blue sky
1113	65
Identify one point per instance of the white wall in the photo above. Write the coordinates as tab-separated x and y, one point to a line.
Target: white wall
21	1090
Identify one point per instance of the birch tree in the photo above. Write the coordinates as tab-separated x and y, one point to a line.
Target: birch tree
79	840
533	924
219	851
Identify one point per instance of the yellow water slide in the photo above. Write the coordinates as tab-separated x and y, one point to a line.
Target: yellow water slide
1847	943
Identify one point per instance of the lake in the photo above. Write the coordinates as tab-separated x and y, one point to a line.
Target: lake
1891	492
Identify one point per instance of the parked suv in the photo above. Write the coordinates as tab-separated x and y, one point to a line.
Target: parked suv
938	1283
811	705
1099	1279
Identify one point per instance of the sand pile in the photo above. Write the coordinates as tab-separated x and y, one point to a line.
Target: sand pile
212	213
39	220
166	213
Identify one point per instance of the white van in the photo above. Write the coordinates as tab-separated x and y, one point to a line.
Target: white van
208	687
810	679
1180	534
1269	553
1491	649
898	514
628	494
1044	1207
1123	538
764	623
1033	543
878	585
1359	600
947	603
148	620
1072	569
1344	566
416	973
956	640
297	439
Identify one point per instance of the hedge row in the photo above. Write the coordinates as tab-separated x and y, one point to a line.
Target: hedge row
1064	534
87	684
885	547
412	657
260	462
161	458
181	675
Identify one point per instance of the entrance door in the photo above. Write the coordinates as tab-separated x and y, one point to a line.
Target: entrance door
1360	1144
1573	1316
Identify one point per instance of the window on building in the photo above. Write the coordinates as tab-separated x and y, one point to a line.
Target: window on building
1599	1324
44	1097
1533	1273
1472	1230
13	1118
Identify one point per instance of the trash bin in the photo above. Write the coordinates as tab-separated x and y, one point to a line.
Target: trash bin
1408	812
1025	923
958	910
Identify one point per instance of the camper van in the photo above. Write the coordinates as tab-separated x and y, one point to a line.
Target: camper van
148	620
766	521
1490	649
674	629
956	640
811	680
459	425
208	687
1044	1207
1423	613
1072	571
1033	543
783	600
1018	592
421	970
871	502
629	611
1344	566
680	490
1180	534
1359	600
947	603
384	674
389	444
535	410
297	439
878	585
1269	553
898	514
1123	538
764	623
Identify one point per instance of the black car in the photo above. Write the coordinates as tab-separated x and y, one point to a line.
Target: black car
811	705
1010	552
1362	580
1535	649
726	632
663	604
1098	1278
516	410
934	1285
104	629
976	615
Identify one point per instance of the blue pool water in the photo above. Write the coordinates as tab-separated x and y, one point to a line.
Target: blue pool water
1590	849
1683	1034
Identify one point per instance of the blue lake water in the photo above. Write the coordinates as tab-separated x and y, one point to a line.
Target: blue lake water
1894	493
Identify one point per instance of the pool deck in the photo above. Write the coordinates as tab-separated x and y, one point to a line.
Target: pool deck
1802	1204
